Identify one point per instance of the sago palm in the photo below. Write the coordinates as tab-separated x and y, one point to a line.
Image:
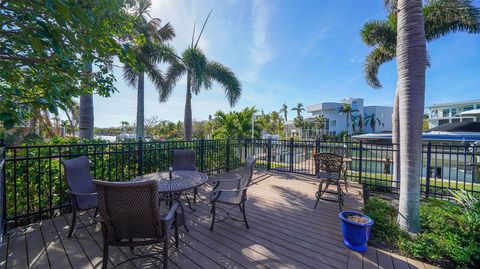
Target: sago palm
147	55
201	73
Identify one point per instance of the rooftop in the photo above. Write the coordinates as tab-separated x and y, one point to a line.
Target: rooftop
455	103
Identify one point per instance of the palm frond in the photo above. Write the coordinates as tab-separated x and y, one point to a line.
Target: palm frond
155	75
379	33
130	76
196	63
446	16
175	71
227	79
373	62
165	33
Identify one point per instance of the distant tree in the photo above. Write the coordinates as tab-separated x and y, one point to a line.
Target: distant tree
347	110
299	109
372	120
284	111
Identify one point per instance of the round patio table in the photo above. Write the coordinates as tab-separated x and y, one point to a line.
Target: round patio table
171	189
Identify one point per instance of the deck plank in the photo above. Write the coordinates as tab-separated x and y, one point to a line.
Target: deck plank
55	249
370	260
17	249
37	253
384	259
354	260
3	252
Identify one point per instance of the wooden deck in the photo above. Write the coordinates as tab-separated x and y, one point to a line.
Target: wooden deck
285	232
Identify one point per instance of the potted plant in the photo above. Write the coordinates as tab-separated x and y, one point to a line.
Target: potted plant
355	229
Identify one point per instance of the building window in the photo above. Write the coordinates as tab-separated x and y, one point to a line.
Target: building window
446	113
455	120
468	108
454	112
442	122
333	123
467	119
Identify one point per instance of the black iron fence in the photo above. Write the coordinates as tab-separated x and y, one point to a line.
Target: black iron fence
33	186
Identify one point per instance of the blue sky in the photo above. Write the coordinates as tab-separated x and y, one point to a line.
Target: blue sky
289	51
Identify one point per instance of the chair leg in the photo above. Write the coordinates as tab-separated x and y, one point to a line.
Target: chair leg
96	212
165	254
72	224
321	191
131	242
213	217
188	201
195	191
176	230
105	255
244	215
340	196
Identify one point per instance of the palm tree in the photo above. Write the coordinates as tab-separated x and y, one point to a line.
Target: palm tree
200	72
372	120
347	110
147	55
299	109
411	66
226	125
440	18
86	116
284	111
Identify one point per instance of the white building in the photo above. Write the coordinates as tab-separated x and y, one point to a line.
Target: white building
465	111
336	121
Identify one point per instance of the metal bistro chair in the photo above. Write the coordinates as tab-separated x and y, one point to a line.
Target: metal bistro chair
328	168
347	161
235	196
185	160
82	191
130	216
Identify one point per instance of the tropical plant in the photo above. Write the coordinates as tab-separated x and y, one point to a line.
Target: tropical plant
441	17
347	110
299	109
43	48
284	111
372	120
147	55
200	73
411	65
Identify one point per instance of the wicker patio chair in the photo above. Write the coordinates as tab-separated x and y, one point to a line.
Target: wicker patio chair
82	191
185	160
329	171
130	216
347	162
235	196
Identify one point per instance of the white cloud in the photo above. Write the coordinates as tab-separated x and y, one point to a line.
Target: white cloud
260	51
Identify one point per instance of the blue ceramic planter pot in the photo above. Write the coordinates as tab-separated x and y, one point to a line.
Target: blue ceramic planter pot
355	235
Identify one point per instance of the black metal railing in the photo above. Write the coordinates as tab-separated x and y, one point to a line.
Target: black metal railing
33	186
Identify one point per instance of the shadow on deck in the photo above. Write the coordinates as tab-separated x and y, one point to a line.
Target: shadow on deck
285	232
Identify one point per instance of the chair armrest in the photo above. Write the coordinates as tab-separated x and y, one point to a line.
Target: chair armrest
83	194
169	218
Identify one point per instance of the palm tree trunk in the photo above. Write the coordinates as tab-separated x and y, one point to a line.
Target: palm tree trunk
188	111
395	142
86	118
141	106
411	65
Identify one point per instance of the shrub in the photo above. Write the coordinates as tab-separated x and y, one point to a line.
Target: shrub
450	232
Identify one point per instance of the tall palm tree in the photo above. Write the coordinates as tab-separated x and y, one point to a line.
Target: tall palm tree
147	55
347	110
441	17
372	120
200	73
86	115
411	66
299	109
284	111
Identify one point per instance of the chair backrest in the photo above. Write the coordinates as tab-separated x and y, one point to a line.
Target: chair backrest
246	178
129	209
184	160
329	163
77	173
342	151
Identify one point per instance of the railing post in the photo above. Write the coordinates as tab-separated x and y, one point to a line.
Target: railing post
140	157
202	155
428	168
291	155
246	148
269	154
227	150
3	198
360	162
